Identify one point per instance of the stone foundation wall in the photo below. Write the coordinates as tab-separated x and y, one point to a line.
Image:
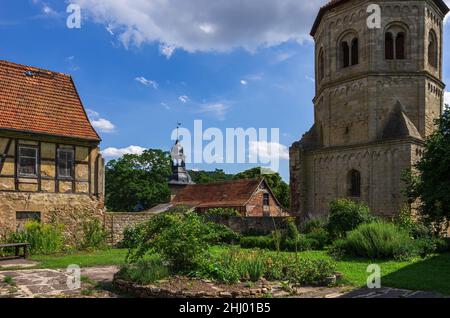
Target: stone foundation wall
71	210
117	222
252	225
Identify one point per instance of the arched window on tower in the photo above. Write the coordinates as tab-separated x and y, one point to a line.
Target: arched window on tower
400	46
432	49
354	180
389	46
345	49
355	51
321	66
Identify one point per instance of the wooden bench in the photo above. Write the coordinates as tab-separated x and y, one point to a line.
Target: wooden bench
17	247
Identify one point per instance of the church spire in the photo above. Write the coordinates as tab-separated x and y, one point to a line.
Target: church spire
180	175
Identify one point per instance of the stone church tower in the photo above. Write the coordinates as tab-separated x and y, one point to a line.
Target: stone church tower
378	92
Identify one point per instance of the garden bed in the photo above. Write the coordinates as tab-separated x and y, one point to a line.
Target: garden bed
185	287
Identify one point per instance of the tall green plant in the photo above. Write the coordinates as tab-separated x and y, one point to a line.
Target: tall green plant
43	238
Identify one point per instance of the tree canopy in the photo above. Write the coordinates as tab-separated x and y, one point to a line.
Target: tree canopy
138	182
431	183
202	177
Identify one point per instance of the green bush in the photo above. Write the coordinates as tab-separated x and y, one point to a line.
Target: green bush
94	236
314	226
262	242
145	271
43	238
221	234
132	236
222	212
291	230
320	236
380	240
346	215
287	245
415	228
181	239
338	249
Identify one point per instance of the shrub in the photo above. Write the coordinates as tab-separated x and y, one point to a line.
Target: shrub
263	242
222	212
320	236
338	249
145	271
415	228
221	234
180	238
345	216
132	236
291	230
94	236
287	245
43	238
380	240
314	226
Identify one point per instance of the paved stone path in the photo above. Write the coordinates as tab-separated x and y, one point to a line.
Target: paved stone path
53	283
96	282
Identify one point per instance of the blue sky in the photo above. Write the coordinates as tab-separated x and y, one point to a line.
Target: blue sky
141	68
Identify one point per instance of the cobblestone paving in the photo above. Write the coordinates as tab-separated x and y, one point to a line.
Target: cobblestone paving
96	282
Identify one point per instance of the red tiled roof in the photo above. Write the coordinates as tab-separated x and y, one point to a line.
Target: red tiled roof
334	3
40	101
223	194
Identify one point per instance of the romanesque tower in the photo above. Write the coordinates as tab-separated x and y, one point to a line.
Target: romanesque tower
378	91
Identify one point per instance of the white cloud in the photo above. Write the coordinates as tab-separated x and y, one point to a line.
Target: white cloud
167	50
218	110
146	82
251	78
266	151
184	99
205	25
165	106
101	124
112	152
283	56
447	98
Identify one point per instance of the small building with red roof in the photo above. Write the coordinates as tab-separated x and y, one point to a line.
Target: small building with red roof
50	163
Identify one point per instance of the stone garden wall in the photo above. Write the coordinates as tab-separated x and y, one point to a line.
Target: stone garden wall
252	225
117	222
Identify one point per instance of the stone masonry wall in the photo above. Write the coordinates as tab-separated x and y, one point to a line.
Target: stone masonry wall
252	225
117	222
67	209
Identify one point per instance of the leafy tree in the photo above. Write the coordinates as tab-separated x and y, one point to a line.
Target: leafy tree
202	177
279	187
138	182
431	183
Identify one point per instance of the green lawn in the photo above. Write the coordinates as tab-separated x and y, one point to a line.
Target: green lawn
83	259
431	274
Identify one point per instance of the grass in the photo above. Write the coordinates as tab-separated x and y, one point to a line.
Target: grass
82	259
